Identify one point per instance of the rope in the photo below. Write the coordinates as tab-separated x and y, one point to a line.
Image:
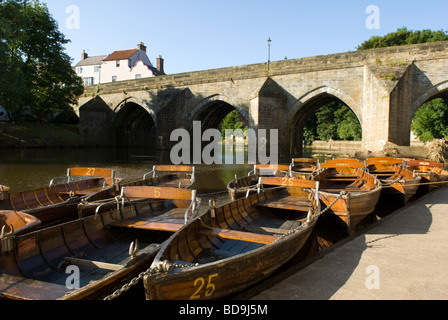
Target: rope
417	184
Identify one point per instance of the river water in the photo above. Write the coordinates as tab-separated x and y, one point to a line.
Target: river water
25	169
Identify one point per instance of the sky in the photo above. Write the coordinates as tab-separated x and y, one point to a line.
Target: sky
197	35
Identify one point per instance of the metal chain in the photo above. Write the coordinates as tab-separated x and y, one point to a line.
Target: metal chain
162	267
334	202
323	211
166	266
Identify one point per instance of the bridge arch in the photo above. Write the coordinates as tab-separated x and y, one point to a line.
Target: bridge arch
212	110
438	91
307	105
134	125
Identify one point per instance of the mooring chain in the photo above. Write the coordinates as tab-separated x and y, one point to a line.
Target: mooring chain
334	202
162	267
323	211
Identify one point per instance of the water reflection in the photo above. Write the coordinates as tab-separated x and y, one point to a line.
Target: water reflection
25	169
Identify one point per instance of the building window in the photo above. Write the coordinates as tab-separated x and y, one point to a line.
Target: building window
138	76
118	63
114	78
79	70
88	81
96	69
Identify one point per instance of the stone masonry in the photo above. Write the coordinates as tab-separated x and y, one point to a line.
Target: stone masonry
384	88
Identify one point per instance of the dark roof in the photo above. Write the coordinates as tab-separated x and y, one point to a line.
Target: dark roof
121	55
91	61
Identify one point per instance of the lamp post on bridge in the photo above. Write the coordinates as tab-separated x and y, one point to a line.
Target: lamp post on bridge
269	52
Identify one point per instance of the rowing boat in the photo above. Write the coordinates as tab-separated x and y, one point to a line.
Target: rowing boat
239	187
398	182
57	203
93	257
433	173
15	223
303	168
176	176
236	245
351	193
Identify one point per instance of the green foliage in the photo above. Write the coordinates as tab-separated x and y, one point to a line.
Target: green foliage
431	120
36	74
333	121
348	124
402	37
232	121
326	126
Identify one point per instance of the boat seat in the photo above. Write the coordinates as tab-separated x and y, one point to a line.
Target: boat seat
154	223
264	230
288	203
343	179
84	192
91	263
239	235
346	190
19	288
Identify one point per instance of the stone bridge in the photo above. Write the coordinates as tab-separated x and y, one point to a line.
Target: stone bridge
384	88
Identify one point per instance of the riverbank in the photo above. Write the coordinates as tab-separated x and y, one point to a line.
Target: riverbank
29	135
40	135
353	149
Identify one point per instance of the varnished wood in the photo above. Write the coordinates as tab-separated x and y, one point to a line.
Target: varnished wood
239	235
233	246
174	168
98	247
157	193
288	182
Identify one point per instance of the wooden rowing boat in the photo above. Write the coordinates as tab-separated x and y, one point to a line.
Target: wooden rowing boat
57	203
92	257
398	182
239	187
351	193
433	173
176	176
235	245
304	168
15	223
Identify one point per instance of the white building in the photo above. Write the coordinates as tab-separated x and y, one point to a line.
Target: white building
118	66
89	69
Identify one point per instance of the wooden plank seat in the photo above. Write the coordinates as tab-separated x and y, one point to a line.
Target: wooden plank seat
170	220
84	192
19	288
346	190
239	235
288	203
156	224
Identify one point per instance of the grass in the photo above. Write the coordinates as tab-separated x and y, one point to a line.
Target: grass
39	135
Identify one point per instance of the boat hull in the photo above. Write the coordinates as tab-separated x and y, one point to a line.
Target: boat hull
222	278
207	264
352	208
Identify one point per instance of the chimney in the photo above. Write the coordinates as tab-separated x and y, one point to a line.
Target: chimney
160	65
141	47
84	55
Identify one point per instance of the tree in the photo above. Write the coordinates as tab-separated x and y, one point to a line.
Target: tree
326	126
232	121
36	73
402	37
431	120
348	126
